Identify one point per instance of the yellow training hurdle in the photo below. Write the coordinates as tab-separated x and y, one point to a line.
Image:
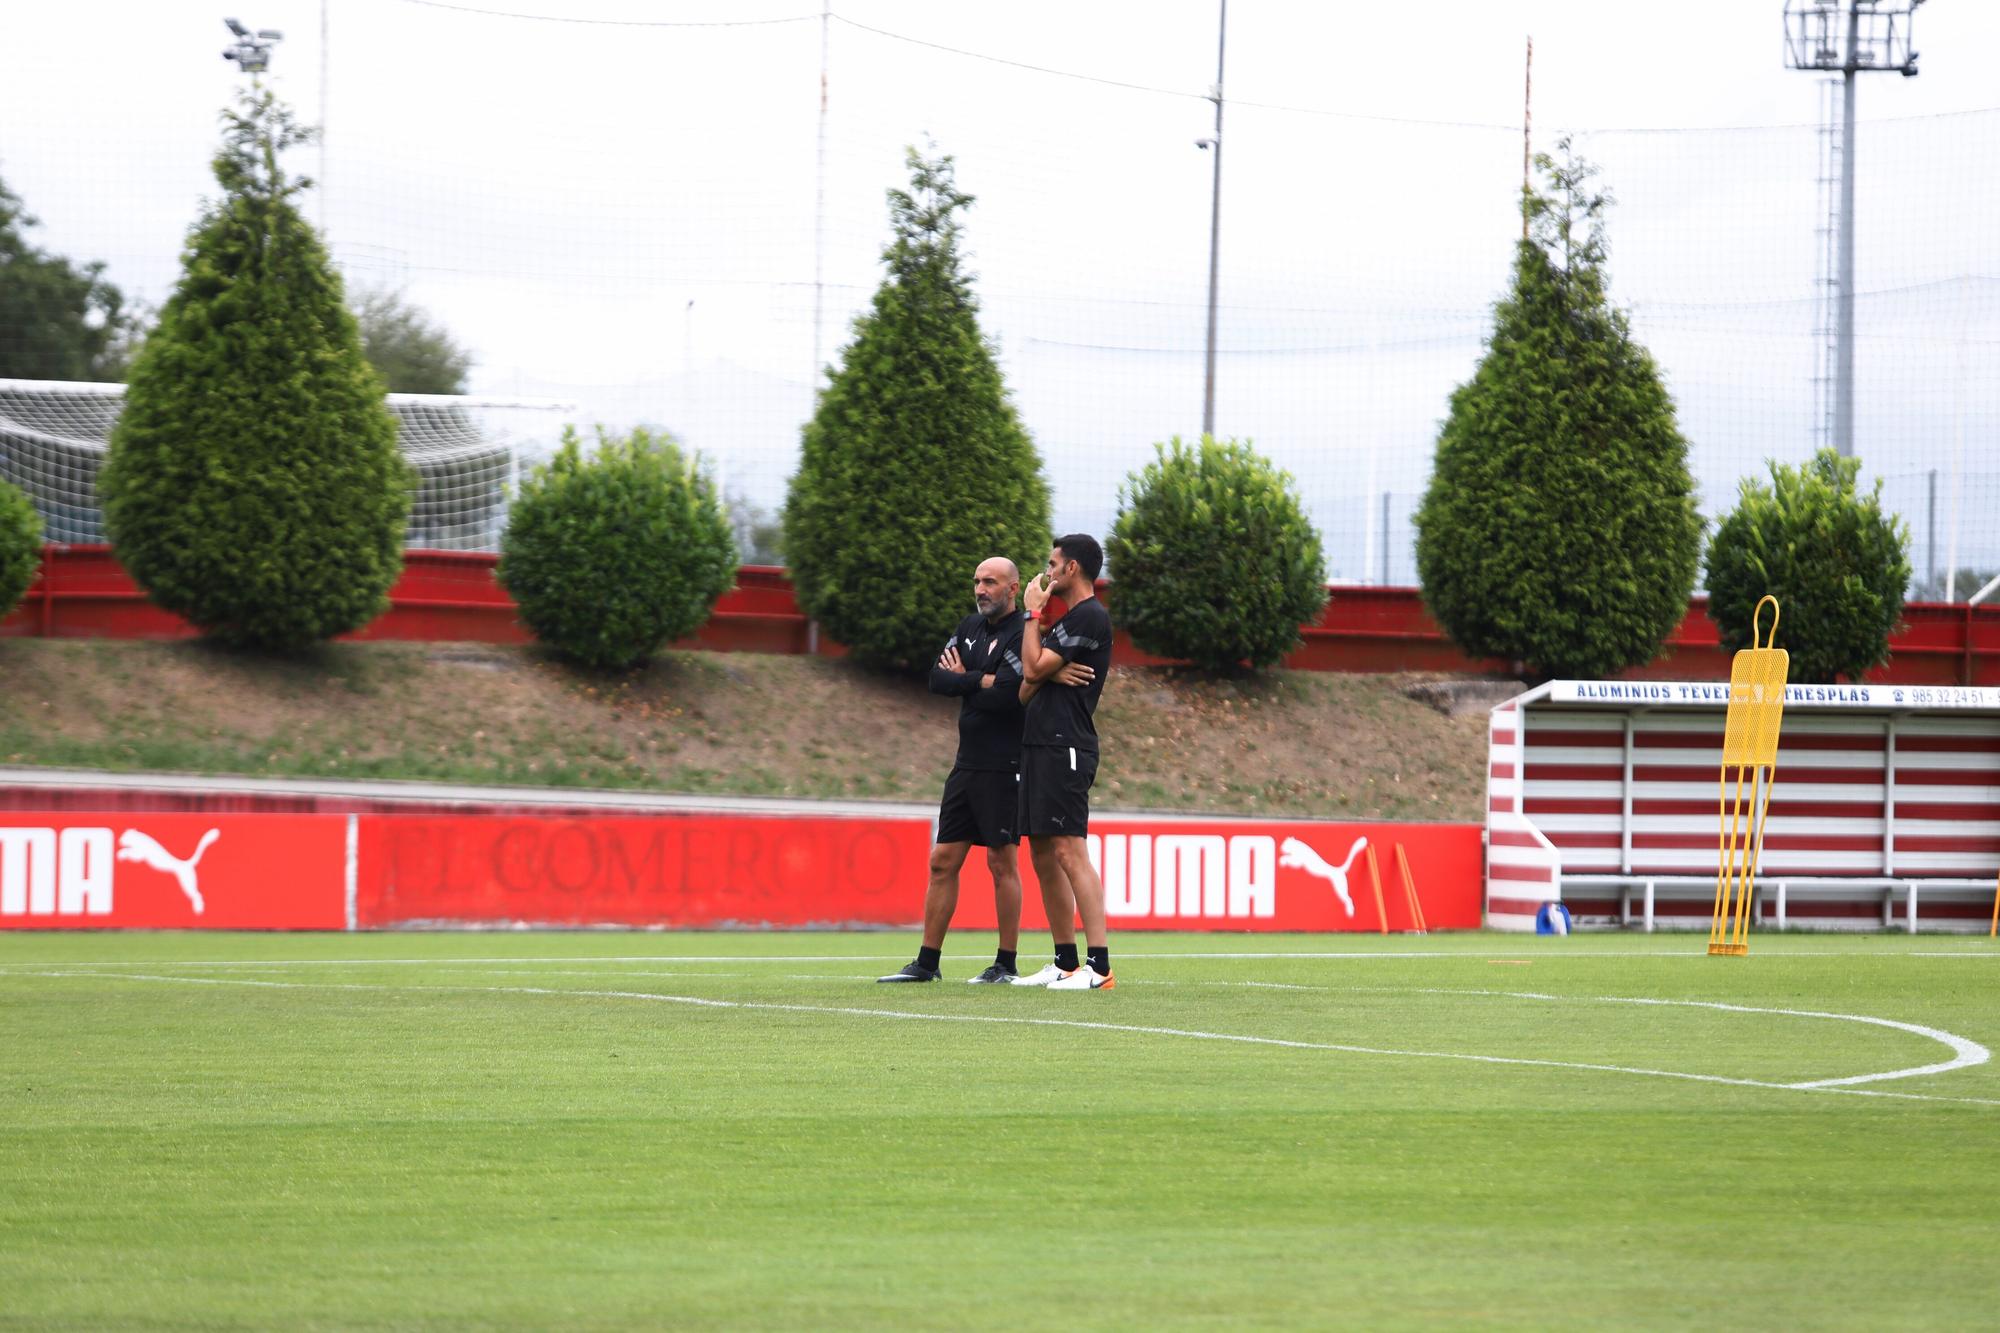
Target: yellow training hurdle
1749	755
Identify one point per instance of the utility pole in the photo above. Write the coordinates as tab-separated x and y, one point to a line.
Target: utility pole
323	75
1527	137
1870	35
1214	145
819	202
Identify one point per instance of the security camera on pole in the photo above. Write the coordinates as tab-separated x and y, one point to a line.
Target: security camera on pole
252	52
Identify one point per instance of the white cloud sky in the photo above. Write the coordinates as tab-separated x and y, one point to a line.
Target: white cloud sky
558	194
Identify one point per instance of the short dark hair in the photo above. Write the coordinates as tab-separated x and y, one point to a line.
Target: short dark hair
1082	548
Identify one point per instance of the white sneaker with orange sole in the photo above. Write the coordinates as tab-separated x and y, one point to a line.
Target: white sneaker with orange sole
1085	978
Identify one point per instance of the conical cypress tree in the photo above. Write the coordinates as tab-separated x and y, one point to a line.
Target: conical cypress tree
254	485
914	468
1560	527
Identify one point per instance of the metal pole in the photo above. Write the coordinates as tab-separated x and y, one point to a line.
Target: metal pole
1843	391
819	203
1385	539
1214	227
1931	581
1527	124
323	66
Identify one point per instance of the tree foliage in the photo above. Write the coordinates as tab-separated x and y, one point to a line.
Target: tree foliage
58	320
914	467
410	351
1560	527
611	557
1213	559
1836	563
20	546
254	485
759	533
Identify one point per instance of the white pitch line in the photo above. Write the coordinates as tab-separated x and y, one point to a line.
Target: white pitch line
1553	953
1965	1052
1193	1034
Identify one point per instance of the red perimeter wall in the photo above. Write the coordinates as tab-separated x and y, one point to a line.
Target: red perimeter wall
82	592
110	857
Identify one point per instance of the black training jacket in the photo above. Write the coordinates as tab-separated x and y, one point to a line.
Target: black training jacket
989	719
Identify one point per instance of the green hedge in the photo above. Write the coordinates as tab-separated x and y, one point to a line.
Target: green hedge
613	556
1212	558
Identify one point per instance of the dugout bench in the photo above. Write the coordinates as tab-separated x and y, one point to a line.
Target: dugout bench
1885	808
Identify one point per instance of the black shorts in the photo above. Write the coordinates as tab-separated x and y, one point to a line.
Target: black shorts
978	808
1055	790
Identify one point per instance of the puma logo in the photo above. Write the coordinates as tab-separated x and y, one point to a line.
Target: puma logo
136	846
1297	855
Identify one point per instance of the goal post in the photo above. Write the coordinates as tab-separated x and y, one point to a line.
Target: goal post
467	452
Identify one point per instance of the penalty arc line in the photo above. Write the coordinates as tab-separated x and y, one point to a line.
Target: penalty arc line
1966	1053
1193	1034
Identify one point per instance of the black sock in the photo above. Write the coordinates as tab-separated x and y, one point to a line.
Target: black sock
1004	959
1100	959
928	957
1066	957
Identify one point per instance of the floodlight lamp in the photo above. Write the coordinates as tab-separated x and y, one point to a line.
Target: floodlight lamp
237	28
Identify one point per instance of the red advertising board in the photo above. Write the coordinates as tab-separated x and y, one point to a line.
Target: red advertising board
1171	874
78	870
694	871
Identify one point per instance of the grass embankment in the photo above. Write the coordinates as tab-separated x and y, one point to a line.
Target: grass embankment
1290	743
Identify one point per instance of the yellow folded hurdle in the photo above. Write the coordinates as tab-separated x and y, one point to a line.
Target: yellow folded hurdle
1749	757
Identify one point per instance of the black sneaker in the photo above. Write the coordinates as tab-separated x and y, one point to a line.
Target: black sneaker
912	972
994	975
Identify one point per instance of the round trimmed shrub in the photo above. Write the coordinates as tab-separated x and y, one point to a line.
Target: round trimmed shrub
254	486
20	546
611	557
1836	563
1212	558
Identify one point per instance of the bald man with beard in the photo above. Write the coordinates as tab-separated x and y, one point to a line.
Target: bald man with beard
981	666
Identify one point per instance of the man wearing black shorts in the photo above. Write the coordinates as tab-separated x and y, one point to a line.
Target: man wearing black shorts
1059	757
981	665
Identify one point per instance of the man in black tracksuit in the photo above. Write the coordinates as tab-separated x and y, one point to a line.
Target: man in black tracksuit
981	665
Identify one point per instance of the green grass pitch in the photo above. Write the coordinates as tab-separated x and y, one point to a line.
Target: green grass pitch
641	1130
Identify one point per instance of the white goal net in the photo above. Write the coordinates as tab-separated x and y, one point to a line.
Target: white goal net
467	452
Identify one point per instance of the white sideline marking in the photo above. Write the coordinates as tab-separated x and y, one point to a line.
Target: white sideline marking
1553	954
1832	1087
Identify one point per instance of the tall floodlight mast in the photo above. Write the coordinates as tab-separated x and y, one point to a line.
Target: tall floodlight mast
1850	37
